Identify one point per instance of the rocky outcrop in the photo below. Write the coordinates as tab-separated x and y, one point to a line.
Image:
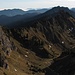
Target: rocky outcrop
6	47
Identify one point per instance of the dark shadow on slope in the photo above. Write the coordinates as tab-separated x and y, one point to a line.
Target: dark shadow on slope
33	44
64	65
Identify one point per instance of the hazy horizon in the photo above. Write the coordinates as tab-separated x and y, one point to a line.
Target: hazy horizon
34	4
31	8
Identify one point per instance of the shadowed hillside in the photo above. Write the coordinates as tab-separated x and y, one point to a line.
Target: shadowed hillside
7	17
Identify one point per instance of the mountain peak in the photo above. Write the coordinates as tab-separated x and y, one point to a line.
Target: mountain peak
53	12
57	9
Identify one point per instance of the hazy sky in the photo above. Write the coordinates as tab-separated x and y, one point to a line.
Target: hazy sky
26	4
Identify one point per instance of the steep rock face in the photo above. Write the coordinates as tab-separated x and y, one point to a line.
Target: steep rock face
13	58
5	50
6	47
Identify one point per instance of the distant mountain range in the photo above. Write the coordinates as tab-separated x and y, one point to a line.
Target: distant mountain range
5	20
14	15
73	9
14	12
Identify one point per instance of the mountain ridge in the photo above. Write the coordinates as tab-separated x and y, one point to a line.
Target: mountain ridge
50	13
42	46
14	12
